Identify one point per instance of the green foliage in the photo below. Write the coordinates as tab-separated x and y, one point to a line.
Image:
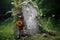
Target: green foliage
48	23
46	9
7	30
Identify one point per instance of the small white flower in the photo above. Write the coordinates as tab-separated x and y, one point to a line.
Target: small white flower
53	15
12	2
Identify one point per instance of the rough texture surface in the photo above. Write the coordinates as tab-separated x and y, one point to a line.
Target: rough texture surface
30	13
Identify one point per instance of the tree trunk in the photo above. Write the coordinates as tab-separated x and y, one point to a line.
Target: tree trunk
30	13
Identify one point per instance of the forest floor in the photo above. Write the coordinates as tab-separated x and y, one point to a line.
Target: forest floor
6	33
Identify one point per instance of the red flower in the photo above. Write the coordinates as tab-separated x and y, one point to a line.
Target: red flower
19	23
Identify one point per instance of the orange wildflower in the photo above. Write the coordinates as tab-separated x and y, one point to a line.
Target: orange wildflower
19	23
